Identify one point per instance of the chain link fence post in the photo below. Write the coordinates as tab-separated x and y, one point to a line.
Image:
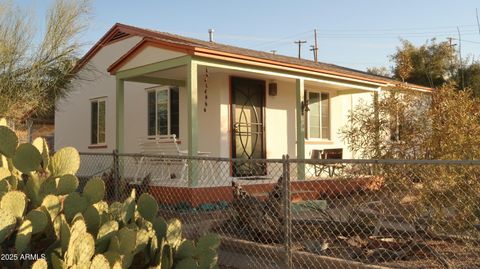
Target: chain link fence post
287	220
116	175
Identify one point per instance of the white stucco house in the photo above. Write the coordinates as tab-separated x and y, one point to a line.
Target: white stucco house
228	101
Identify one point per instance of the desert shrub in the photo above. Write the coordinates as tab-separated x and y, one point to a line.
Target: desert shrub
441	125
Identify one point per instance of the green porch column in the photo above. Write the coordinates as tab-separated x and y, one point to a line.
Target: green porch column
120	115
300	128
192	123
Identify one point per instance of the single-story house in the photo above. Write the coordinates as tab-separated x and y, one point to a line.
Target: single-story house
228	101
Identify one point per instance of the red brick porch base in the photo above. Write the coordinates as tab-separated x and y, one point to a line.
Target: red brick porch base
301	190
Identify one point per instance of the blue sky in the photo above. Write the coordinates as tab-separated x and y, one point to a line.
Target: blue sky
355	34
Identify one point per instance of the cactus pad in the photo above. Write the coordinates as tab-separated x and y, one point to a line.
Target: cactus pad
78	232
113	258
7	224
207	260
73	204
147	206
92	219
52	205
127	239
4	172
186	250
128	210
106	231
65	161
208	241
84	249
4	186
64	233
40	264
24	234
94	190
66	184
9	141
15	202
33	189
38	219
187	263
142	239
42	146
27	158
100	262
160	227
174	232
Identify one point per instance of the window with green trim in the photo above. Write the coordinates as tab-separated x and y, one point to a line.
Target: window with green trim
318	117
97	123
163	111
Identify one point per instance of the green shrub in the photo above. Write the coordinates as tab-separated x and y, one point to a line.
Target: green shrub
42	213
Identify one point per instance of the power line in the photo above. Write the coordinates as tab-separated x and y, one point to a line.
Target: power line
393	29
300	42
478	22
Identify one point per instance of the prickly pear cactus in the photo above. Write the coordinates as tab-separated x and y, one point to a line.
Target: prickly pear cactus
43	212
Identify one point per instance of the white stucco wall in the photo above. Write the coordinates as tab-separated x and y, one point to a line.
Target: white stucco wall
72	119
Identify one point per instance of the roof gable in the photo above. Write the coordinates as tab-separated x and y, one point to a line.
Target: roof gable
220	51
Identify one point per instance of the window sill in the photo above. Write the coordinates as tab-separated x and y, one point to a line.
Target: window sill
318	142
98	146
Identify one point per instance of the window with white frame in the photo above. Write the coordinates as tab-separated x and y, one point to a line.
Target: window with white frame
163	111
318	117
97	123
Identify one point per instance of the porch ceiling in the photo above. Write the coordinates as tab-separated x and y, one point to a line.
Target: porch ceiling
179	74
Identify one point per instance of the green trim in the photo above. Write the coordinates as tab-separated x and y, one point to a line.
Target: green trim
161	81
150	68
289	74
119	115
299	93
192	123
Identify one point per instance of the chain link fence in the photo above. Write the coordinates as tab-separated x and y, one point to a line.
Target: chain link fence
289	213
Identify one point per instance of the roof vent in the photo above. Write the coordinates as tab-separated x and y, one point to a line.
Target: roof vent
210	34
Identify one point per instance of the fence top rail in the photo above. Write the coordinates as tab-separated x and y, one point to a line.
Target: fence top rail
297	161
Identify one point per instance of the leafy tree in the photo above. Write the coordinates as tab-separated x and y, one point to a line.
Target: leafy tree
379	71
34	75
431	65
471	76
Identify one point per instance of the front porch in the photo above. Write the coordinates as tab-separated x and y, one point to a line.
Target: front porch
210	119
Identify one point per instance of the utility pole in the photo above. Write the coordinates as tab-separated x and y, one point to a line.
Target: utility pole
450	42
460	57
300	42
478	21
312	48
315	52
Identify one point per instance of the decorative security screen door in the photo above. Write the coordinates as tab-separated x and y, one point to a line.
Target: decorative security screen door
247	126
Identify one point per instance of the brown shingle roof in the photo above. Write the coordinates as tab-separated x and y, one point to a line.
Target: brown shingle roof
188	41
223	48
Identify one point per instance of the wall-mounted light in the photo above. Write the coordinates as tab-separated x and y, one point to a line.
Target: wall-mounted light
272	88
305	107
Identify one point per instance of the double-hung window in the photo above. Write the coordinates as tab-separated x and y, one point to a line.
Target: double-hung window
318	117
163	111
97	123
